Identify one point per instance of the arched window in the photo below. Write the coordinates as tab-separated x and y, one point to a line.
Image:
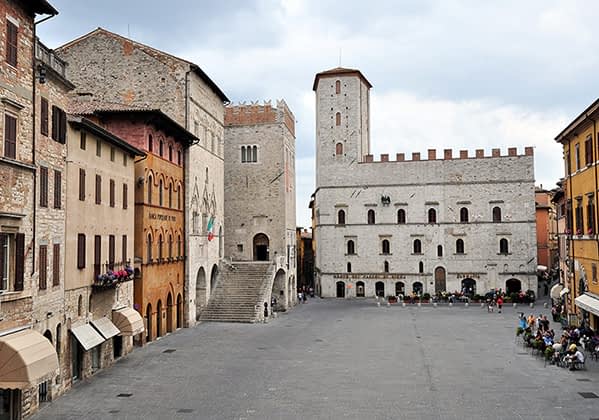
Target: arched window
161	148
150	143
417	246
432	216
341	217
351	247
160	243
349	267
503	246
170	195
439	250
243	158
386	266
496	214
150	183
149	248
464	215
401	216
421	267
338	118
385	246
179	197
459	246
160	190
338	87
170	153
371	219
170	246
255	154
339	149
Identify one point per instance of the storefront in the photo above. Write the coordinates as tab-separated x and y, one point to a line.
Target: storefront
589	303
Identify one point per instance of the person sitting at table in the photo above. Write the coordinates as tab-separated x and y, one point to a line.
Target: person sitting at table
574	356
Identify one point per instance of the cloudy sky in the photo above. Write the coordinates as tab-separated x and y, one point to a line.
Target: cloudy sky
446	73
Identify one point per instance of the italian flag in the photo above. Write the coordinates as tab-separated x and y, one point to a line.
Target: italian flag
209	228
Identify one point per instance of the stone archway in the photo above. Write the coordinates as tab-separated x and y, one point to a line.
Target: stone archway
440	280
379	289
360	289
281	298
213	278
200	292
469	286
513	286
179	311
417	287
169	313
340	289
159	319
149	322
261	244
399	288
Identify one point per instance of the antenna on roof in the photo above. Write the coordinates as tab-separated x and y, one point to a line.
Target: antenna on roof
339	56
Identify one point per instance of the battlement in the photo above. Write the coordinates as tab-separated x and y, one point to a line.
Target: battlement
256	113
448	155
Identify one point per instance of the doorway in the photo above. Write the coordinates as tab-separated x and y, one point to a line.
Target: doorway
399	288
261	247
340	289
159	319
440	282
513	286
169	312
149	322
379	289
117	346
360	289
76	359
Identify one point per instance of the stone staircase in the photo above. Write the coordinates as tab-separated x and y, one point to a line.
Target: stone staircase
240	292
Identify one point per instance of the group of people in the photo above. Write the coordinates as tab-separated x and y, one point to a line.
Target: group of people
493	302
565	350
303	292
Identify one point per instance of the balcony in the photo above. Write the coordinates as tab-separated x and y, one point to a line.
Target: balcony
47	56
110	275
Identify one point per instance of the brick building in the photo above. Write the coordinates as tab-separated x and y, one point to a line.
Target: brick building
414	226
28	361
113	68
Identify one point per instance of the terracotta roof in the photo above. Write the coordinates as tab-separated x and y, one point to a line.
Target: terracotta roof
339	71
591	109
147	48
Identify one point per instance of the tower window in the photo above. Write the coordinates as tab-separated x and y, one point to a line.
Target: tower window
386	266
401	216
338	118
371	218
503	246
496	214
417	246
338	87
341	217
432	216
386	247
339	149
464	215
351	247
349	267
439	250
459	246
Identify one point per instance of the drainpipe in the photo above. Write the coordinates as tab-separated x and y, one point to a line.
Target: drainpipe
594	143
186	268
569	184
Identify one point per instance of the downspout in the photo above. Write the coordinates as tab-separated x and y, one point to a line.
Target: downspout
593	138
187	275
33	147
569	184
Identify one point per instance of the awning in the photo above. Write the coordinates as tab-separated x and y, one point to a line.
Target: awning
555	290
588	303
105	327
128	321
541	268
563	292
25	357
87	336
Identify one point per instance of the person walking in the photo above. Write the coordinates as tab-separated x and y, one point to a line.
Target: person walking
499	303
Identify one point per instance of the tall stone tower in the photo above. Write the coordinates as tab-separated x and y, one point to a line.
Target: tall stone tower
342	122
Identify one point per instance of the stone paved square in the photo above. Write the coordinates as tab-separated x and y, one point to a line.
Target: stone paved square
338	359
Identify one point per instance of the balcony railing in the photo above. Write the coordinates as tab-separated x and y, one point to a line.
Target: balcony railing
109	275
47	56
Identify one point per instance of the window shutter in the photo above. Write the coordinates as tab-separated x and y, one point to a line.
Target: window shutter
112	193
98	189
57	189
20	260
111	247
10	136
43	186
81	251
82	184
97	254
125	188
44	117
11	43
124	249
43	266
56	265
55	119
62	127
3	241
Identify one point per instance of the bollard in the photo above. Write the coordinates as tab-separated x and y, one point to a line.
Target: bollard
532	305
403	304
545	305
435	304
388	304
378	304
466	304
419	304
482	305
515	305
450	304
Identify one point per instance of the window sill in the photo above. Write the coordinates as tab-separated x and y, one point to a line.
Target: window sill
504	253
383	253
460	253
14	162
349	255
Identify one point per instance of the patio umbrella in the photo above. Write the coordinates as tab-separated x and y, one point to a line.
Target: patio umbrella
555	291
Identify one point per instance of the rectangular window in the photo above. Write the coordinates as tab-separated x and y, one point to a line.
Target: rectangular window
43	186
98	189
83	140
588	151
111	251
59	125
11	43
44	116
57	189
577	155
124	249
4	260
569	221
43	266
80	251
591	217
82	184
10	136
97	255
124	159
125	193
19	260
56	265
112	193
579	218
98	148
112	153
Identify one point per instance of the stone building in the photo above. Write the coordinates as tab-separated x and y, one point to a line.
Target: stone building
260	189
580	211
99	320
28	361
116	69
546	217
159	212
386	227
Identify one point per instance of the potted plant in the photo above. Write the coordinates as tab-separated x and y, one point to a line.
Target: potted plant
519	331
392	299
426	297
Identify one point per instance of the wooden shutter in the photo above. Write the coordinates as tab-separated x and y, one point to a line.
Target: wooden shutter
56	265
81	250
19	260
112	193
10	136
43	266
62	126
124	250
82	184
43	186
57	189
125	193
3	242
97	254
111	249
98	189
55	122
44	117
11	43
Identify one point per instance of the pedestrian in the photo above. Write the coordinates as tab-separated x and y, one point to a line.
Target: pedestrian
499	303
304	297
265	309
299	296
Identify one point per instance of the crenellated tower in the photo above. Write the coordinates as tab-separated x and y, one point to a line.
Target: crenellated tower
342	121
